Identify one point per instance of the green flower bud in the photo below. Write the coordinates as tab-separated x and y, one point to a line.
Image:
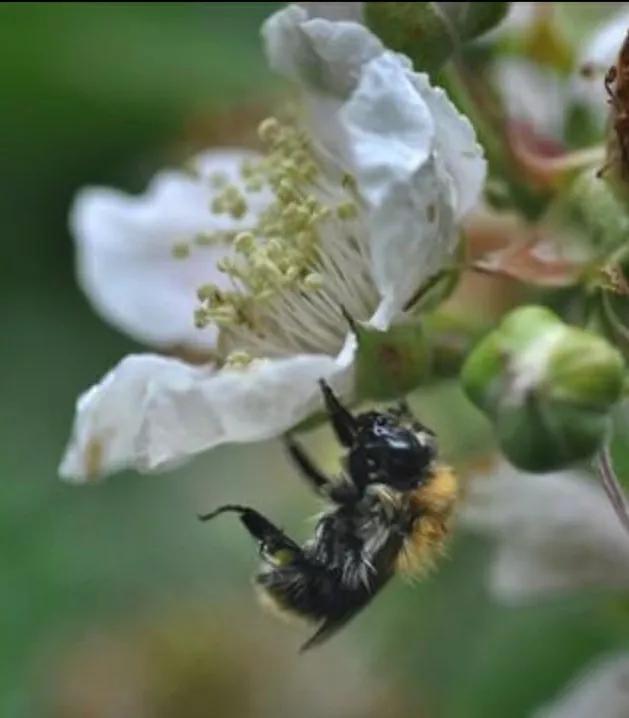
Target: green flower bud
428	32
417	29
548	388
390	363
473	19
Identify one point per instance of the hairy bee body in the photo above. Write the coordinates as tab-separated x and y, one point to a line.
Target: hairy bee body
391	512
356	550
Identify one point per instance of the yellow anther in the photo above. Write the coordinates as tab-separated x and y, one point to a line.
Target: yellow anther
181	250
348	182
279	253
291	273
275	247
286	191
224	316
238	359
347	210
244	242
271	270
264	294
201	318
238	208
312	204
309	171
313	281
208	293
305	240
230	200
269	129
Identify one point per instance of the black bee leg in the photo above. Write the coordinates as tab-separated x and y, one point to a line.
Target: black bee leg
418	427
275	545
402	410
317	479
343	422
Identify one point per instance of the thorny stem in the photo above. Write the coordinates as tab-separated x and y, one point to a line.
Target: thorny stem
612	486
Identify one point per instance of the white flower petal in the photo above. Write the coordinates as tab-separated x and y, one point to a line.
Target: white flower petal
601	691
456	145
414	157
124	250
404	172
321	55
603	47
150	412
532	94
599	54
259	402
109	416
555	533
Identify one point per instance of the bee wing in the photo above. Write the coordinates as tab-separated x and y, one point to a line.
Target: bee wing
327	629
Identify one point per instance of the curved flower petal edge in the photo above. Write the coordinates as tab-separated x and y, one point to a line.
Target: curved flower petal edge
126	248
152	412
413	156
602	689
555	533
349	213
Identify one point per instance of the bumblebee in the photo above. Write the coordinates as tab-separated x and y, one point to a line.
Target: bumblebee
390	510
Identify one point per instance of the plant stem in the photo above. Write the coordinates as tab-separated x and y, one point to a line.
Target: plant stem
612	486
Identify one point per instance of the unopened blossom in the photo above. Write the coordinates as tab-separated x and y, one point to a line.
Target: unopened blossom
254	258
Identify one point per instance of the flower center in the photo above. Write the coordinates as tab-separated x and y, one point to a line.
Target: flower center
304	262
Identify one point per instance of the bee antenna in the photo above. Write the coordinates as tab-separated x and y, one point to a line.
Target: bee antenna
222	510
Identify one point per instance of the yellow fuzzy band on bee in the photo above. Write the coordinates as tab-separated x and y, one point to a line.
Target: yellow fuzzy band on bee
283	557
273	603
433	503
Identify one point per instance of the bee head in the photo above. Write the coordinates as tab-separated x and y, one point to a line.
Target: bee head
388	451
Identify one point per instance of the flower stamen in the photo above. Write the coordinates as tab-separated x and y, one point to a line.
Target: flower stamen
305	257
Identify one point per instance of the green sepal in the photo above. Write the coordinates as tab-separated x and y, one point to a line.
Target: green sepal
390	363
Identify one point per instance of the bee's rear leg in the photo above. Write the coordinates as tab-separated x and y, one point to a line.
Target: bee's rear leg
276	547
316	478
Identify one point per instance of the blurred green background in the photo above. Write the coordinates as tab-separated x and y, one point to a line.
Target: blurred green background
114	601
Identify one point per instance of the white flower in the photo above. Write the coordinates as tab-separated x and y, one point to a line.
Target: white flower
601	691
555	533
352	210
125	245
534	95
599	53
541	96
